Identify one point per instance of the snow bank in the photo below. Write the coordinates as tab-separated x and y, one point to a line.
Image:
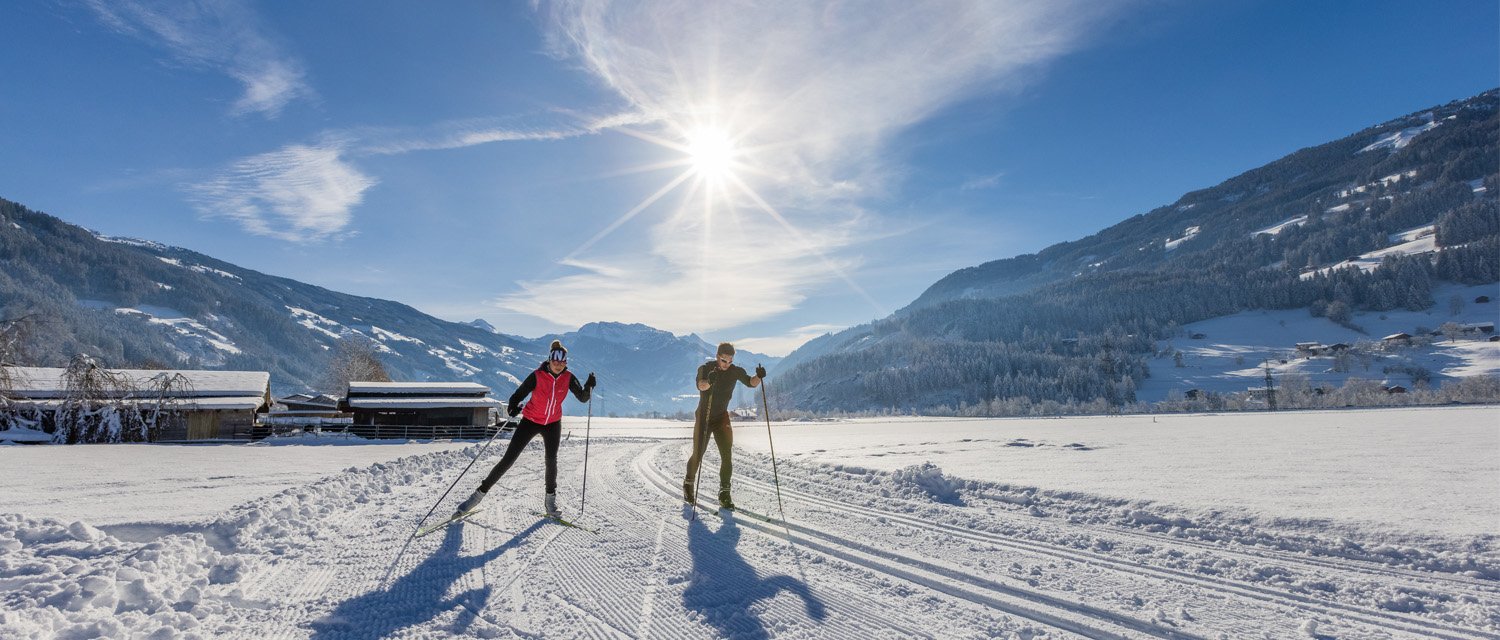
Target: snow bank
75	581
929	492
929	479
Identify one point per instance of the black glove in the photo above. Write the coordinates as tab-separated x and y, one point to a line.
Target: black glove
760	372
589	384
711	376
514	411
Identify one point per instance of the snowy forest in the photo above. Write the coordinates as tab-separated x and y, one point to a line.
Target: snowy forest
1070	328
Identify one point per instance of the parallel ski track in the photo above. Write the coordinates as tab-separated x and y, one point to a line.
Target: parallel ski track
1365	568
1378	618
650	522
1022	603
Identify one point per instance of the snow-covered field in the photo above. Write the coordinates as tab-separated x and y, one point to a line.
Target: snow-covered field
1229	357
1350	524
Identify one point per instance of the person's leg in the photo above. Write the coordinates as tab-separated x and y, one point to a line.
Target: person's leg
700	445
724	438
523	434
551	438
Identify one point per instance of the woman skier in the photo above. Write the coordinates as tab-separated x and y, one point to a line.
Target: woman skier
548	386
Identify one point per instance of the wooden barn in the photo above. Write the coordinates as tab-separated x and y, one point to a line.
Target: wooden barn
420	409
196	405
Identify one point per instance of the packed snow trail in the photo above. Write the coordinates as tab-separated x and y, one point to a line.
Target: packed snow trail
861	555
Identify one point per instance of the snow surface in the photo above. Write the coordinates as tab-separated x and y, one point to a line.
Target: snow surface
1357	524
1416	241
1398	139
1230	357
1297	221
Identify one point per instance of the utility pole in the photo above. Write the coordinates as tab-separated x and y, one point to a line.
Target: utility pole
1270	388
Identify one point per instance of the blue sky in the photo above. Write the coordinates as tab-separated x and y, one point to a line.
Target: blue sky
759	175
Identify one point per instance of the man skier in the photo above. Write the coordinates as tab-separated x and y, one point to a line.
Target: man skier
716	380
548	386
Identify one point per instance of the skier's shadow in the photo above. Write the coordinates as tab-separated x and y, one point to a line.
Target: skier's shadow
724	587
417	596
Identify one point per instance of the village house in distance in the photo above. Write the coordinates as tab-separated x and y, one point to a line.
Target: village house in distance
169	405
420	409
96	404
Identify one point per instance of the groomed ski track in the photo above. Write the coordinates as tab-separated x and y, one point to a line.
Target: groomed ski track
848	563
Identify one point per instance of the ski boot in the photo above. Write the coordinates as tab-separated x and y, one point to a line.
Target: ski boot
724	500
549	505
471	503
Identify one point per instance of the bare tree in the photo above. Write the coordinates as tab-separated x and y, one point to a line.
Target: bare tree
163	397
14	334
354	359
93	408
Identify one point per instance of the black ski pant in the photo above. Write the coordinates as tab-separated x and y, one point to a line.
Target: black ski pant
723	435
551	437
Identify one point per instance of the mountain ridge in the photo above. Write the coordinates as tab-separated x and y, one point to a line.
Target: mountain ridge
1314	229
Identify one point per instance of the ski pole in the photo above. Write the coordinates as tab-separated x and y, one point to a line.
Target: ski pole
775	475
413	536
700	431
587	426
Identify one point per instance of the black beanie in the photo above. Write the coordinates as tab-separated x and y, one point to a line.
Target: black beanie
559	353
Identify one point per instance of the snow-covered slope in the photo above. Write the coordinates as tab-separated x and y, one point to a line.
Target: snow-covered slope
1231	354
971	529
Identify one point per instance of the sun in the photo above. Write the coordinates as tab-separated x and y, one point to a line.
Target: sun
711	153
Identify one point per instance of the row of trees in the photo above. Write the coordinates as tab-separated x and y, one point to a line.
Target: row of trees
100	405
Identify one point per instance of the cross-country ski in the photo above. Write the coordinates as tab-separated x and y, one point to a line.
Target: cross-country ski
453	519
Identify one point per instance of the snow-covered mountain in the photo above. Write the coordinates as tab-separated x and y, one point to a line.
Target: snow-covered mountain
658	364
135	302
1374	222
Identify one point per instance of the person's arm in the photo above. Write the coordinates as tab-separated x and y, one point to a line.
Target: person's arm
527	386
747	379
703	378
581	391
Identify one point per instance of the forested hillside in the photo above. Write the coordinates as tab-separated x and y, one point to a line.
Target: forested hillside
1369	222
137	304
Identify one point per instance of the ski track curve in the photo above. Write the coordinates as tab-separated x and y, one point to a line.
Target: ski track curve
335	559
1248	590
844	508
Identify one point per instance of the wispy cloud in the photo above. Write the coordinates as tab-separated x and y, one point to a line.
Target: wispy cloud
307	192
457	134
300	193
678	282
786	343
813	91
219	35
982	182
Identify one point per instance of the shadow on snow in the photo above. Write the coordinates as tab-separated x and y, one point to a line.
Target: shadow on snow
417	596
724	587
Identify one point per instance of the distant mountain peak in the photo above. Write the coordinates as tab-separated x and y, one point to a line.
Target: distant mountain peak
480	323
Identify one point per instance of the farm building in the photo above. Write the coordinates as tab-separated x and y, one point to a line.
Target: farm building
420	409
304	411
135	404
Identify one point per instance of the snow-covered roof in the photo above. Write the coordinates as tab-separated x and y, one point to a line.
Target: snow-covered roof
417	388
424	402
47	382
222	403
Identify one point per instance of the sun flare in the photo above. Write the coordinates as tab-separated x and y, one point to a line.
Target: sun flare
711	153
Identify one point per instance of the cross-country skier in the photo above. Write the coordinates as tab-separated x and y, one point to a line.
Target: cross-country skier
548	386
716	380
